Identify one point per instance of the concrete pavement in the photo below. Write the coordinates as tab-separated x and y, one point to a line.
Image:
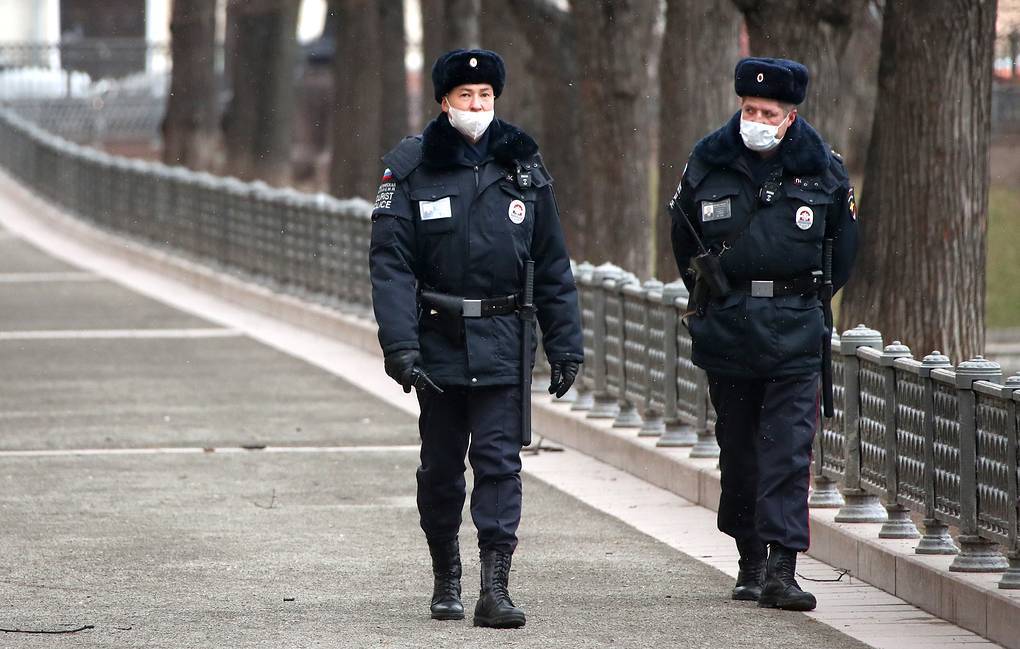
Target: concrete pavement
159	543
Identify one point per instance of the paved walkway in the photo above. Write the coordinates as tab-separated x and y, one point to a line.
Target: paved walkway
173	482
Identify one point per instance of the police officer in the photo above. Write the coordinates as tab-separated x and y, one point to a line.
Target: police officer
460	210
766	197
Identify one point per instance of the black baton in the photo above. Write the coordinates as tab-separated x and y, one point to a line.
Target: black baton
526	312
827	409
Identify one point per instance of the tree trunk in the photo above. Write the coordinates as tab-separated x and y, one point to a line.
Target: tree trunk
446	25
613	48
258	121
818	35
695	99
502	32
542	86
189	127
920	275
395	114
357	123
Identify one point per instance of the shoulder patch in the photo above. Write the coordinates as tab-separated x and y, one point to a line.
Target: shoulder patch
384	196
851	203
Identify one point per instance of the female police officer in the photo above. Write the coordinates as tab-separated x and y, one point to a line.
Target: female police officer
765	196
459	212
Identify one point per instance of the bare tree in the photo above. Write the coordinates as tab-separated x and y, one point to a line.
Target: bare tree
819	34
189	127
370	77
536	38
257	125
921	272
614	43
446	25
694	99
393	74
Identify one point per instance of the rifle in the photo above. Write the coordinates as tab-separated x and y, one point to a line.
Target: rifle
526	312
826	295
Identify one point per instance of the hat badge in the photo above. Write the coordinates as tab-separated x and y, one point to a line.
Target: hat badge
473	62
761	77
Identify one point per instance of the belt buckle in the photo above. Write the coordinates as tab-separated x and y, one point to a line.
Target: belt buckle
762	288
472	309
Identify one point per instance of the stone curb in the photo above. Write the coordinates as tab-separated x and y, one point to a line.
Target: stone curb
971	601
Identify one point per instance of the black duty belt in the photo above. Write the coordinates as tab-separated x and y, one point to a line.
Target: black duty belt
468	308
776	288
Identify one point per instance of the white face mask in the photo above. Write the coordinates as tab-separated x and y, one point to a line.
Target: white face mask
758	136
471	123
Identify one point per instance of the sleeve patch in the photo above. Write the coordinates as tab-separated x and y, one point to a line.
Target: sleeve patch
384	197
851	204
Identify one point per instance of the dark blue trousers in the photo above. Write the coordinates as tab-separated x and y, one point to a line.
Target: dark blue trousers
485	424
765	429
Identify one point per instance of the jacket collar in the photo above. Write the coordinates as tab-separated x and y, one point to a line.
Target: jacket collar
441	143
802	150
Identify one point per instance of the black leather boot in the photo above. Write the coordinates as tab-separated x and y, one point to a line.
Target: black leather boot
495	608
781	590
751	577
446	588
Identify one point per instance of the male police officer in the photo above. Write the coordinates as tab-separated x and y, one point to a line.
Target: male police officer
765	197
460	211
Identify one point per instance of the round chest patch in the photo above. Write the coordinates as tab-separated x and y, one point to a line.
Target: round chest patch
517	211
805	218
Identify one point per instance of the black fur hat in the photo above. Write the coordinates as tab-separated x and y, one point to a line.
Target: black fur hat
457	67
779	79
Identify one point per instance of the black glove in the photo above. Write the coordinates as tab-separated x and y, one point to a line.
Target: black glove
404	368
563	375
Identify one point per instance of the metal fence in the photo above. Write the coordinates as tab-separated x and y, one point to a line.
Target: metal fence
89	90
910	436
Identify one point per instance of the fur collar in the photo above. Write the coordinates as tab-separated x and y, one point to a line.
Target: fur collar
802	150
441	143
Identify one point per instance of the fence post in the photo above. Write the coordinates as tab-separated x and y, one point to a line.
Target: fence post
976	553
654	425
824	491
936	538
860	507
604	405
626	415
584	399
1011	578
676	433
899	525
706	446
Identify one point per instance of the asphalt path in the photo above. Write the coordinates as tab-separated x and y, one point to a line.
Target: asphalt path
171	483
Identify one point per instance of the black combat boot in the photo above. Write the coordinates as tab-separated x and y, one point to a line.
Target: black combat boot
495	608
751	577
446	589
781	590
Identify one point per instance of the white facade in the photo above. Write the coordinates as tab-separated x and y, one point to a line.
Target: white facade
30	20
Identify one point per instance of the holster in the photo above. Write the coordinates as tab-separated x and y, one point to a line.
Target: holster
442	313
